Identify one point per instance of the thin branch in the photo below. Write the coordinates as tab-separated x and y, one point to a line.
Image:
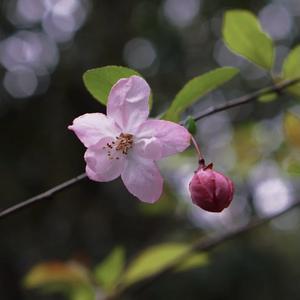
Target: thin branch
211	110
203	245
48	194
277	88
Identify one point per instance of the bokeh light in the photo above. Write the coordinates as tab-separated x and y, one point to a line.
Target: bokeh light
225	57
181	13
276	20
271	196
35	51
63	18
29	12
139	53
268	134
20	82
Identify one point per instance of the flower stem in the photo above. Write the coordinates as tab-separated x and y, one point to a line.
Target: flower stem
197	148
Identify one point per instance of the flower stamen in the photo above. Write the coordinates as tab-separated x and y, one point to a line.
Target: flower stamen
122	143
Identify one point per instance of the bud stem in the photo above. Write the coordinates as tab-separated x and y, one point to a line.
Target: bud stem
197	148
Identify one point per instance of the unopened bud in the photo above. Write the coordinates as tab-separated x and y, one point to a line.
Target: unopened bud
211	190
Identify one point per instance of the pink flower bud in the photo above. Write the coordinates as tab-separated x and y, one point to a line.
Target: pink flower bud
211	190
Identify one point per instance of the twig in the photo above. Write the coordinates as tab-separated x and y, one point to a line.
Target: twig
277	88
211	110
42	196
205	244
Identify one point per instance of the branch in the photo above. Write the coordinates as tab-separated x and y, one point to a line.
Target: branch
276	88
209	111
203	245
48	194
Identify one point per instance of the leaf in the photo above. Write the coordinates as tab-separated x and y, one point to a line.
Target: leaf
291	124
108	272
190	125
82	293
196	260
246	148
99	81
291	69
153	259
56	272
196	88
268	97
291	164
243	34
70	279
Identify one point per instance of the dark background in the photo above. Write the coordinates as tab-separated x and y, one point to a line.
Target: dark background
42	92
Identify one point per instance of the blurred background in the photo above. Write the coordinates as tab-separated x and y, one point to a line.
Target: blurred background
46	46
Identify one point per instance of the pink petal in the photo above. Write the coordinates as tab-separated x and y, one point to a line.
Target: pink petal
173	138
99	166
150	148
142	179
91	128
128	103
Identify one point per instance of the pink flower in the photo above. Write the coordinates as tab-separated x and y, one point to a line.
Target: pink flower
125	143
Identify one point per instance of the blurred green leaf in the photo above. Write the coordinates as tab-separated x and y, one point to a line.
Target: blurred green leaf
70	279
268	97
108	272
291	69
242	34
52	272
196	88
82	293
99	81
246	148
190	125
291	125
291	166
196	260
153	259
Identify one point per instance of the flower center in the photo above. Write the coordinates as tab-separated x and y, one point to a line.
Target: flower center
120	145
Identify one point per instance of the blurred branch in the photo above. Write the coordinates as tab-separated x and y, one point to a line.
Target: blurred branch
277	88
205	244
48	194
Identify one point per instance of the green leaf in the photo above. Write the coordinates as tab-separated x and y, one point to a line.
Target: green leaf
268	97
56	272
70	279
246	148
243	34
108	272
291	165
82	293
190	125
99	81
153	259
196	88
194	261
291	124
291	69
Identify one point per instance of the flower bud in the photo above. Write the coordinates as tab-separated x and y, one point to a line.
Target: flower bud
211	190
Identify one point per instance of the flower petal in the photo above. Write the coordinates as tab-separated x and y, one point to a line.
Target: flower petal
173	138
102	166
91	128
149	148
142	179
128	103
